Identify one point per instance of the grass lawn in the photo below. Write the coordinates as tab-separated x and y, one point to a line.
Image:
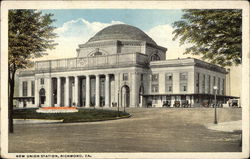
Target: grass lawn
83	115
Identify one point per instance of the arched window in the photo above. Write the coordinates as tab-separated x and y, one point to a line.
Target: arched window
97	52
155	57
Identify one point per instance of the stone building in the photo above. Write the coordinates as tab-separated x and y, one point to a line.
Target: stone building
121	65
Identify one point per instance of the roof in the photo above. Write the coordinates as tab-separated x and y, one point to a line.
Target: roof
187	62
121	32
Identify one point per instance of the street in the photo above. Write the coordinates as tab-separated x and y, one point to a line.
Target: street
148	130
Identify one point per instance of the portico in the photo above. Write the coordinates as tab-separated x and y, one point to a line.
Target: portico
92	90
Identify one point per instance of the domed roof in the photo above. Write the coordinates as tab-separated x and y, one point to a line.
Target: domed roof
121	32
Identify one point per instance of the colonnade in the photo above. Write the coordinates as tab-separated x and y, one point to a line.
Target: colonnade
63	96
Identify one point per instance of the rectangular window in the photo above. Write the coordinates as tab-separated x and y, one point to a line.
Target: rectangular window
183	87
218	86
209	84
125	77
203	83
32	88
42	81
214	83
169	82
155	83
155	88
197	82
183	81
25	85
183	76
223	86
155	77
170	89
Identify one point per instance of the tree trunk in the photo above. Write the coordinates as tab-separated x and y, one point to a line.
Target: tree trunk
11	95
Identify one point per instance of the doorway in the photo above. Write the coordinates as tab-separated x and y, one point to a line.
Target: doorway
42	96
125	96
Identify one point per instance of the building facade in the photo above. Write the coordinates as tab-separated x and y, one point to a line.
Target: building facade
121	66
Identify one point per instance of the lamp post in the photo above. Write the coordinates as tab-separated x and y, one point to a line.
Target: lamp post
215	111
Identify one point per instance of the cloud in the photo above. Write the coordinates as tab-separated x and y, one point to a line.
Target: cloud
162	35
79	31
73	33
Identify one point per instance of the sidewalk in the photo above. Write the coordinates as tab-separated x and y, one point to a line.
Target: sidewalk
35	121
226	126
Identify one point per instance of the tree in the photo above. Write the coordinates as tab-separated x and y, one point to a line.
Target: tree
30	35
216	34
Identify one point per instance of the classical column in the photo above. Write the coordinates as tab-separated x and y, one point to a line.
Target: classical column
117	87
49	99
97	91
107	90
76	91
29	88
67	92
58	91
36	93
87	91
135	90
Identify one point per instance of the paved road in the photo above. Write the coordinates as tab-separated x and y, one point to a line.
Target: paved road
148	130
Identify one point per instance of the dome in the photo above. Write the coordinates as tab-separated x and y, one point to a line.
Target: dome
121	32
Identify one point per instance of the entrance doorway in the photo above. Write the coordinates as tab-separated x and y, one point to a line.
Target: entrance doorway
125	96
42	96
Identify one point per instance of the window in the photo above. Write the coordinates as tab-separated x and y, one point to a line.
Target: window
32	88
197	82
125	77
42	81
155	88
155	83
183	76
155	77
218	86
155	57
183	87
223	87
25	88
170	89
203	83
209	85
141	77
183	81
169	82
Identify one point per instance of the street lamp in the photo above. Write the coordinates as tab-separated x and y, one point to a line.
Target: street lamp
215	111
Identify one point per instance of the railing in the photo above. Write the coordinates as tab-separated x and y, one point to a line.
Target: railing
92	62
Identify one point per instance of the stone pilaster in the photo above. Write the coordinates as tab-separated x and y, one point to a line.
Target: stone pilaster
36	92
67	92
49	91
59	91
87	91
135	90
76	91
107	103
97	91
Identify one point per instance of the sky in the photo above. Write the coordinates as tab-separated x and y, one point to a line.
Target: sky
77	26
